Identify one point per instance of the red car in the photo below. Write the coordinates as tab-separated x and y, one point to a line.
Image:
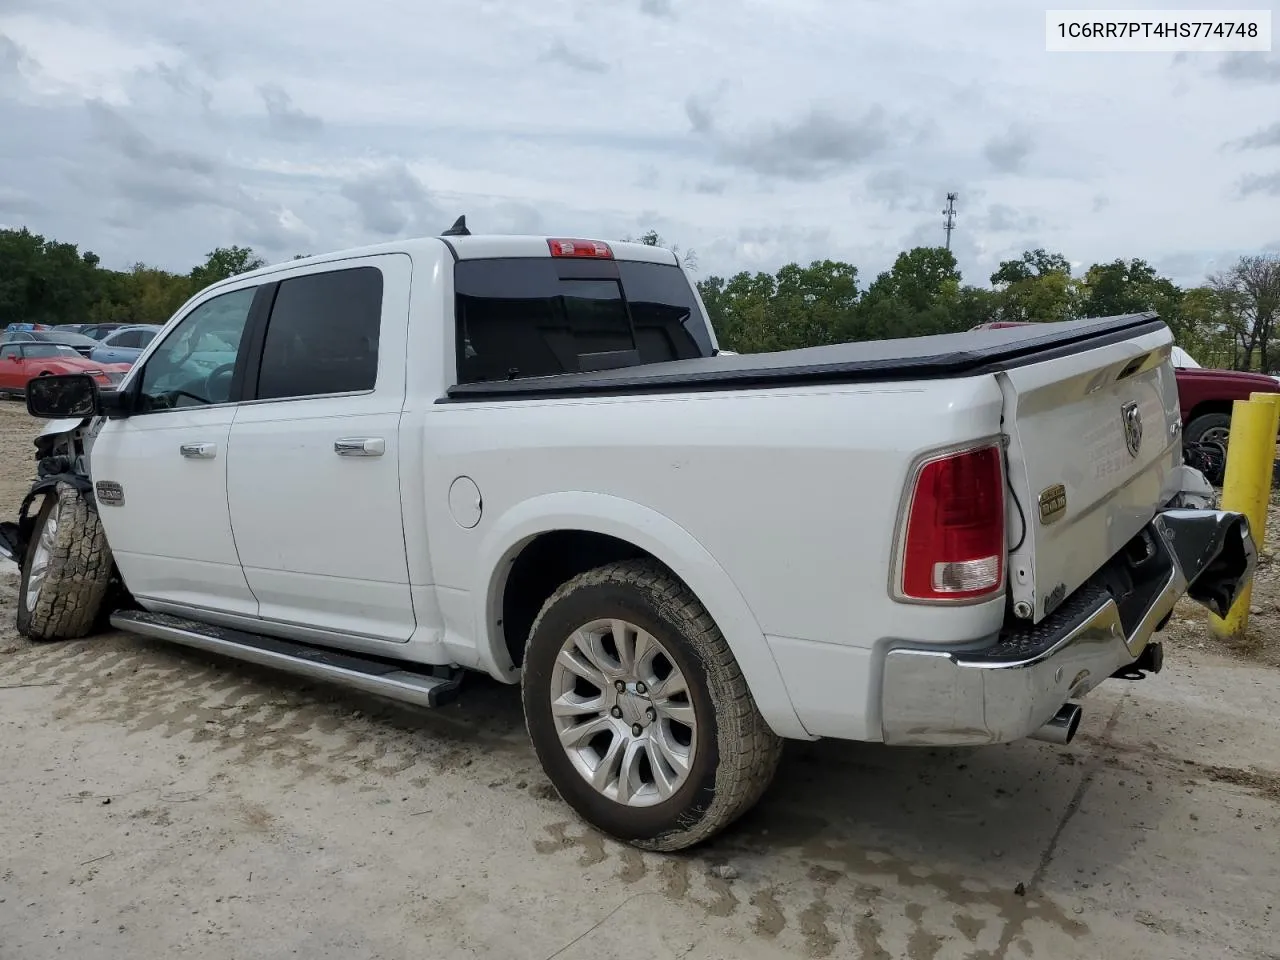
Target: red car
1205	396
23	362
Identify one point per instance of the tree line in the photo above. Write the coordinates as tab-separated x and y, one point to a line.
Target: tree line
49	281
1227	321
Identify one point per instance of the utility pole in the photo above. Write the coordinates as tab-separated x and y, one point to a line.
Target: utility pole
949	217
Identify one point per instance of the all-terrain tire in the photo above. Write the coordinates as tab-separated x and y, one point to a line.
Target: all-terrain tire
69	601
736	754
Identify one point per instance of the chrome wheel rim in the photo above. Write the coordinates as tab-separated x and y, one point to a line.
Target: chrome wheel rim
1216	435
40	559
623	713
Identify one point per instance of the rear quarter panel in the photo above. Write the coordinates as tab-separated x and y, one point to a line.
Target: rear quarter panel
794	494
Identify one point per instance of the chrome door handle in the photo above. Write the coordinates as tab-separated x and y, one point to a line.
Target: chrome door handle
199	451
360	447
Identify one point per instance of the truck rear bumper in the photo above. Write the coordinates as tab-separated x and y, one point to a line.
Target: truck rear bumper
1010	687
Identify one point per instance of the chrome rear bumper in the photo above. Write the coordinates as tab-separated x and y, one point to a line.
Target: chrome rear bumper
1012	686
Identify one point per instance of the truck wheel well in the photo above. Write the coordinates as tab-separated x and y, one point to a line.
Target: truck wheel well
546	562
1209	406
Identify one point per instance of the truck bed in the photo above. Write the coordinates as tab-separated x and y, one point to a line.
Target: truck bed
916	358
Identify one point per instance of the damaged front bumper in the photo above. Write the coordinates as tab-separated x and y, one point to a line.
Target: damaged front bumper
1010	688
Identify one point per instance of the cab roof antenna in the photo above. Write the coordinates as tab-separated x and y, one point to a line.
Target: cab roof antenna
459	228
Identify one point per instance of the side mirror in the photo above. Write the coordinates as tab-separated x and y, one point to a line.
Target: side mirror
62	396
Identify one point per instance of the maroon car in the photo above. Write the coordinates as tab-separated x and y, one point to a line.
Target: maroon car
1206	395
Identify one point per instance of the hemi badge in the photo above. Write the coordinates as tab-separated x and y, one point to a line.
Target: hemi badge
109	493
1053	504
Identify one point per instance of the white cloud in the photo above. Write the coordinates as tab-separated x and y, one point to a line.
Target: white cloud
754	132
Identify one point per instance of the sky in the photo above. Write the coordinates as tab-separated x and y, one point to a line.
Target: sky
753	132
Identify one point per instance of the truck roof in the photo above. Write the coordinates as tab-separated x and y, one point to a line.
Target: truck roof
470	247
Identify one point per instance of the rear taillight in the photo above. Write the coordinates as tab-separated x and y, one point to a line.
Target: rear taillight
953	543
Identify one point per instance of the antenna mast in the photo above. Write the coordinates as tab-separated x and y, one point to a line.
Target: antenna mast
949	217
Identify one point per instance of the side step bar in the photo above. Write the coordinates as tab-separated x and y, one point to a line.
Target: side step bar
394	681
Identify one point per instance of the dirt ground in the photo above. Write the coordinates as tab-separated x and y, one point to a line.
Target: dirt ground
157	802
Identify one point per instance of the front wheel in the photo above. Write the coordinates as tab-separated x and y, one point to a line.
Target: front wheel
66	570
639	712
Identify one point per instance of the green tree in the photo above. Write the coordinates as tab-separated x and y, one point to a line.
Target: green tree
1128	286
1032	264
1205	328
917	296
1037	287
224	262
796	307
1249	292
44	281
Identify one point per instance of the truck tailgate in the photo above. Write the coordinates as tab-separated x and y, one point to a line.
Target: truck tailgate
1095	443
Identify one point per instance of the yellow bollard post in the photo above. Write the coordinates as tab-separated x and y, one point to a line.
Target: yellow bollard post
1274	400
1251	454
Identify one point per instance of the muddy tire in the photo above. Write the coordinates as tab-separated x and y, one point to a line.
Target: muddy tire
638	711
66	571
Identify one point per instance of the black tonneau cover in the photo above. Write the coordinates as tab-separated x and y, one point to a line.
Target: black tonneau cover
916	358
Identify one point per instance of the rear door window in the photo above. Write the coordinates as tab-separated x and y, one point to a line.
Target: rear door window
534	317
128	338
322	337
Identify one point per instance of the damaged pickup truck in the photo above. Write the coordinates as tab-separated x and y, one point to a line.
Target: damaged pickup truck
523	456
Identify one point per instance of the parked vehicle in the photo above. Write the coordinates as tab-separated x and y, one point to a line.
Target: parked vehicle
99	330
124	344
81	344
1206	396
20	362
521	456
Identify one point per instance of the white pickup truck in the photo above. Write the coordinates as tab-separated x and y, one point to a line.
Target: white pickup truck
523	456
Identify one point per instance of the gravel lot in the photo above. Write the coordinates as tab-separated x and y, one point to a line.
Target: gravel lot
155	800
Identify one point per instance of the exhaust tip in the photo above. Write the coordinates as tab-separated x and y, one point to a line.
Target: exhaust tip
1061	729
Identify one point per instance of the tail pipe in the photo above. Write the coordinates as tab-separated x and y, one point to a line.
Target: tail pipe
1062	728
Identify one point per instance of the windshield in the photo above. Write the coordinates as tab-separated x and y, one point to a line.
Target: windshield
1183	359
45	350
535	317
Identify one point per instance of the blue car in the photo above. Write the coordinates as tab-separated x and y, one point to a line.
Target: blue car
126	344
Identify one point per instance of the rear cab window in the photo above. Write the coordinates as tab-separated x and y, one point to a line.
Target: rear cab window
524	317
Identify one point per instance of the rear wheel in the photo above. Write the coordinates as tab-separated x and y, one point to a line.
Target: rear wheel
66	571
1209	427
638	711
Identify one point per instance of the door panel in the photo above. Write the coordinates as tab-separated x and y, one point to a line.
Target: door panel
170	528
171	535
12	368
313	471
319	533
